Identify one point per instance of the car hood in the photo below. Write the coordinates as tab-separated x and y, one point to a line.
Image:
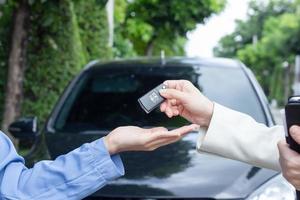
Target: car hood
179	171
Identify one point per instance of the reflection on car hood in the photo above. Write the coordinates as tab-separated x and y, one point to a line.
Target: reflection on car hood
178	171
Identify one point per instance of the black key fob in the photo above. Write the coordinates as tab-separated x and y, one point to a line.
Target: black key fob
292	115
152	99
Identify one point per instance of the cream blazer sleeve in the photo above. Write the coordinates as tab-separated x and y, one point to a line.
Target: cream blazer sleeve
237	136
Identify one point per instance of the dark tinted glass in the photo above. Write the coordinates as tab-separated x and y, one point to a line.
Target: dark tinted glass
107	98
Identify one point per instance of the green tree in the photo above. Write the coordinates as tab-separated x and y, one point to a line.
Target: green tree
122	47
267	39
70	34
154	25
250	30
279	43
60	37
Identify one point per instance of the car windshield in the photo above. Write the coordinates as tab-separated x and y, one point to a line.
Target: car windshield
105	98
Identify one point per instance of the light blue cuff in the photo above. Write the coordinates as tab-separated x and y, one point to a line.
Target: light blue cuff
110	167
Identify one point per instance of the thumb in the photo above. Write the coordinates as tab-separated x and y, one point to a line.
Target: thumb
173	94
295	133
285	151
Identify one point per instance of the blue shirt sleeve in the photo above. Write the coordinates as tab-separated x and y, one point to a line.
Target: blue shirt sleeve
72	176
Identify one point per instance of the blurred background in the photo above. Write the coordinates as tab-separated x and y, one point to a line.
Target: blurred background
45	43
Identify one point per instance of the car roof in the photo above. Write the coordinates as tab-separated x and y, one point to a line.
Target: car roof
166	62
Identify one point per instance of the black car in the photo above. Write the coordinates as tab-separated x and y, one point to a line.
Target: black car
104	96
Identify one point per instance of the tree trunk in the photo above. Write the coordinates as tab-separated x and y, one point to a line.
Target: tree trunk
16	65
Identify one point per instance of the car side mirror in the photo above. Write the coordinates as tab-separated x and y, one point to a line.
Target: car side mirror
24	128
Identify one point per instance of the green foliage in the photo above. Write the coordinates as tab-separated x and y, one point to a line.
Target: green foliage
276	46
63	36
54	55
276	28
259	12
123	47
92	23
154	25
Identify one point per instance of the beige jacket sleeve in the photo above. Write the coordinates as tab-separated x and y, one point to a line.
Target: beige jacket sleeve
237	136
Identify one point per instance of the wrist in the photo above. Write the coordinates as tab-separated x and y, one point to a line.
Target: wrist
209	113
205	117
110	145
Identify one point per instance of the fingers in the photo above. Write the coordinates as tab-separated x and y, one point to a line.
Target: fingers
171	108
163	106
158	129
153	138
169	112
162	142
185	129
177	84
172	102
176	111
173	94
157	134
172	83
173	136
290	164
295	133
285	151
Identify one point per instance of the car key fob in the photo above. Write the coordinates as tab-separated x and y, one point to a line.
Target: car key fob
152	99
292	114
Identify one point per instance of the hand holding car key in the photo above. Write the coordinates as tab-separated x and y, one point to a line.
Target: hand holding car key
152	99
292	114
292	117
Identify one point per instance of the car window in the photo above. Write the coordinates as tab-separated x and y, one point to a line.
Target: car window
230	87
107	98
